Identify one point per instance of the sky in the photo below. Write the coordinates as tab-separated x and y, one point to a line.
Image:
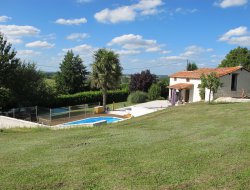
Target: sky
160	35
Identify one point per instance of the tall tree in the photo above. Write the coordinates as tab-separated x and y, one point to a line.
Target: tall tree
191	66
8	62
141	81
72	75
20	82
211	82
236	57
106	71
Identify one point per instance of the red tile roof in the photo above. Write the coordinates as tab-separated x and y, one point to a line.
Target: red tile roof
196	74
181	86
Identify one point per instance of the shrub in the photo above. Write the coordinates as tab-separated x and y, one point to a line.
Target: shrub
90	97
154	92
137	97
202	93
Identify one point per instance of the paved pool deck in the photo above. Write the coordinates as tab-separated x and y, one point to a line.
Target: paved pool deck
142	109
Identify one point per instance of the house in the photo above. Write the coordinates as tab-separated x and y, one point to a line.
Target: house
184	85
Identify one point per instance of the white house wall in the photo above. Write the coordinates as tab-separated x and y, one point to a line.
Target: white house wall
243	82
194	95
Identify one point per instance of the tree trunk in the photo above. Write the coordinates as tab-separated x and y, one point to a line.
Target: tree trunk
104	98
209	96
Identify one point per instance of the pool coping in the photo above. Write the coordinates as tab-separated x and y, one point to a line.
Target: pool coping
93	124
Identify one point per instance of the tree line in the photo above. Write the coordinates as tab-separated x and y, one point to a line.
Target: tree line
22	84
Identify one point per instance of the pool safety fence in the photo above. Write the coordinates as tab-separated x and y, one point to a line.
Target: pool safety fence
24	113
48	115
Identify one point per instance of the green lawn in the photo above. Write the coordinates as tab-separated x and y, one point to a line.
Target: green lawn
196	146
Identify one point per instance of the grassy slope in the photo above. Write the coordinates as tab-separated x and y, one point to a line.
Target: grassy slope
192	147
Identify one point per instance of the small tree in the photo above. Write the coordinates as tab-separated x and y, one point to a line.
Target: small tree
106	71
154	92
141	81
72	76
211	82
164	83
191	66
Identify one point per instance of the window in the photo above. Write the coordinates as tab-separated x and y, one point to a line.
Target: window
234	82
175	79
187	79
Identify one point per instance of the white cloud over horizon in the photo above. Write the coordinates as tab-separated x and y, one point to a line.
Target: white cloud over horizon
135	42
76	21
237	36
230	3
128	13
40	44
27	53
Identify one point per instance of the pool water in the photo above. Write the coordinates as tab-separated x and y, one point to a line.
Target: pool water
93	120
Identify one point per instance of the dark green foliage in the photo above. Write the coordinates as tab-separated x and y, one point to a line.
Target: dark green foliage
72	75
202	92
106	71
4	97
154	92
141	81
90	97
137	97
164	83
25	84
8	63
236	57
191	66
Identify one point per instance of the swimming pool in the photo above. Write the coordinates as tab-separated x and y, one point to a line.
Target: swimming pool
93	120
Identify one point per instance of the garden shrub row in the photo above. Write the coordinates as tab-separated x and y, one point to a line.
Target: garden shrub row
90	97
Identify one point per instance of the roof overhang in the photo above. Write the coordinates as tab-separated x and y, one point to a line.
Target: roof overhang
180	86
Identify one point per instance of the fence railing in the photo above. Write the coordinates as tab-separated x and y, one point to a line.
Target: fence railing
48	115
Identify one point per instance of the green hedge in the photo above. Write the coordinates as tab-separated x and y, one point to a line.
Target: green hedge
90	97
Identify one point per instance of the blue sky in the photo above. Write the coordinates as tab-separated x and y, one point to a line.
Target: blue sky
160	35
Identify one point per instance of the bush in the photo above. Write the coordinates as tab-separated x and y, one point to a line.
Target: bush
90	97
137	97
154	92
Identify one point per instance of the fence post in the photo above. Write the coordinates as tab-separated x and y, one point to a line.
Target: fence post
50	115
36	114
13	112
69	111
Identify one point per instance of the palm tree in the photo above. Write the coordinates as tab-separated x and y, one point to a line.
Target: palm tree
106	71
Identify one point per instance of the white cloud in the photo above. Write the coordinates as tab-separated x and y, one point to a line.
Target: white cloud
230	3
238	36
192	51
76	21
185	11
210	50
165	51
120	14
27	53
40	44
77	36
81	49
19	31
128	13
15	33
133	42
128	52
83	1
4	18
